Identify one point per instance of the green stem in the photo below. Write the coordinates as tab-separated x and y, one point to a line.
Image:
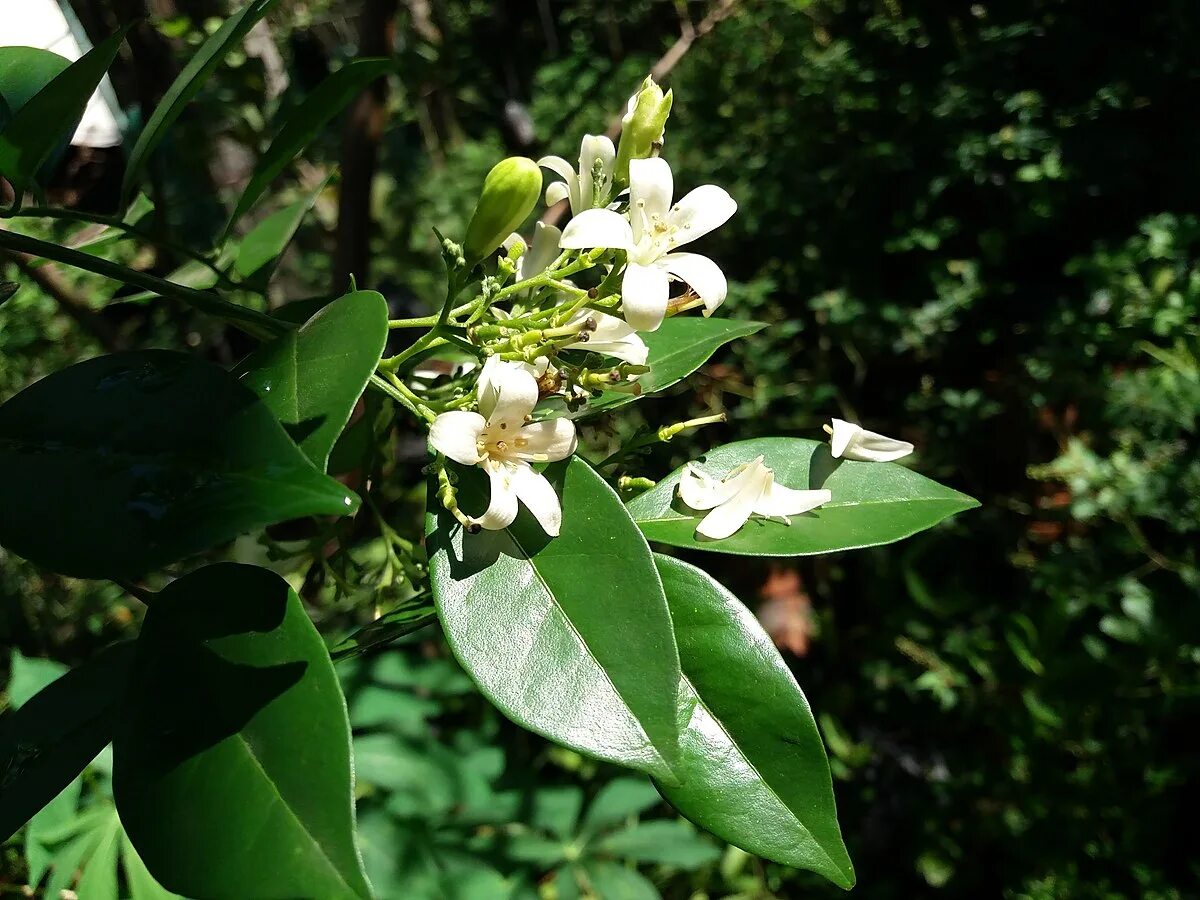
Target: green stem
254	323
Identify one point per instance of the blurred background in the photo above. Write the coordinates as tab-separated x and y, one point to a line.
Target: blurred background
972	225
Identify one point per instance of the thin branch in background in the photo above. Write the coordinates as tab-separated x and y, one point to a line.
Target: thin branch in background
360	151
54	285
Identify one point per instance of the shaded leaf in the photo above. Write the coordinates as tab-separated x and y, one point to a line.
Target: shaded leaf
668	842
260	250
261	781
172	455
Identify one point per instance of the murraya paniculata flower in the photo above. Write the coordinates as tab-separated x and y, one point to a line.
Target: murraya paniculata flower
850	441
749	489
650	235
501	440
592	184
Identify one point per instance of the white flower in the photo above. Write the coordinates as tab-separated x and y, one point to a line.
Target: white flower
499	439
850	441
654	229
592	184
749	489
611	336
538	256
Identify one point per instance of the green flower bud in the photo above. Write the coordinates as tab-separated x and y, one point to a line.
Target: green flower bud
642	126
509	193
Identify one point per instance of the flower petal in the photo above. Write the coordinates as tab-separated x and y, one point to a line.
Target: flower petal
597	228
507	391
701	274
594	147
650	188
502	508
733	513
547	441
556	191
702	210
456	434
699	490
612	336
543	251
851	441
778	500
644	294
535	491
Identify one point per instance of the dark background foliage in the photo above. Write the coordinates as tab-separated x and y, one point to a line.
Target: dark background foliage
970	225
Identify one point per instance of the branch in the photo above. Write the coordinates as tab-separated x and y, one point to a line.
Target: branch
53	284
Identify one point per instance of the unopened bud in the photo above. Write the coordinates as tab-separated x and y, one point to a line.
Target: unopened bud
642	127
509	194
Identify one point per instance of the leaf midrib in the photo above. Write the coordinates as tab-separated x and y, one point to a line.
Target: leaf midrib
678	517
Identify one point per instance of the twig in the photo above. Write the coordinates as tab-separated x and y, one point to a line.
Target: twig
54	285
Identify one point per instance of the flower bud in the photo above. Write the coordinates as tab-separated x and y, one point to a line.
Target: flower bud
510	192
642	127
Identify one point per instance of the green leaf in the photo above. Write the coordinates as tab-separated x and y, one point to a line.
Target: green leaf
7	290
36	129
142	885
50	738
24	71
681	345
411	615
667	842
570	637
873	503
232	768
311	378
304	122
99	879
754	770
125	463
613	881
259	251
188	84
619	800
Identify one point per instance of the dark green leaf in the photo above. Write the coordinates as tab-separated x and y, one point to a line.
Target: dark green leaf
570	636
7	290
232	766
412	615
260	250
24	71
142	885
47	118
303	123
311	378
754	768
49	739
681	345
187	85
125	463
873	503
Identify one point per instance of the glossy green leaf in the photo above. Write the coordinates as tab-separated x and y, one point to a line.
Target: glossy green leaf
681	345
304	122
125	463
311	378
34	131
259	251
188	84
235	746
50	738
873	503
569	637
24	71
754	770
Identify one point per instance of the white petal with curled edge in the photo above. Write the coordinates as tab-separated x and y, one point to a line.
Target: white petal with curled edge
650	188
611	336
507	391
502	507
543	251
644	294
851	441
535	491
597	228
557	191
733	513
699	490
594	147
701	274
781	501
456	434
702	210
547	441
